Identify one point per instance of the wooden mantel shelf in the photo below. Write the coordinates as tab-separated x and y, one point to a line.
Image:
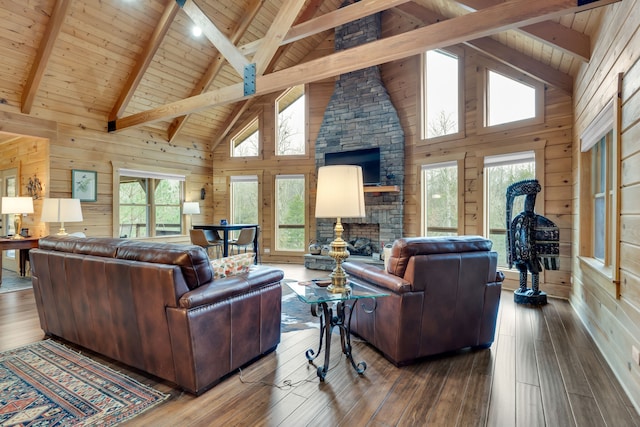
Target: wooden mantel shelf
382	189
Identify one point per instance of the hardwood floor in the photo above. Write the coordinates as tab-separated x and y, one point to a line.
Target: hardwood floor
543	369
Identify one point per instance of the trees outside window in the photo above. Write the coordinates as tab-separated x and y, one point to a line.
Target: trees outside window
442	90
290	138
149	206
290	213
440	195
244	200
246	143
500	171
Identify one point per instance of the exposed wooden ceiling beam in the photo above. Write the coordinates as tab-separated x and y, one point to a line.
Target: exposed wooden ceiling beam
502	17
228	49
143	62
548	32
242	106
276	32
498	51
215	67
238	110
329	21
42	56
565	39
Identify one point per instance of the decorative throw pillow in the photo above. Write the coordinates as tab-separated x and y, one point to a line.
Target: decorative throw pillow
231	265
244	262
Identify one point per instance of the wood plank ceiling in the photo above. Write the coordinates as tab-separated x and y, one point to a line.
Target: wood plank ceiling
135	63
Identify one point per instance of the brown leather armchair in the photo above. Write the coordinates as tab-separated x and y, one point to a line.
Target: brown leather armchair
444	294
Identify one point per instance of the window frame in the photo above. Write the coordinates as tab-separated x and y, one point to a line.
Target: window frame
422	104
276	224
243	133
305	154
485	65
148	172
538	148
605	126
459	160
244	177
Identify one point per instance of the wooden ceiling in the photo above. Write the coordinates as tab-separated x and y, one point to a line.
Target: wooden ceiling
135	63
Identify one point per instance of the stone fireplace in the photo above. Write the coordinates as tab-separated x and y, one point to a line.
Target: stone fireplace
361	115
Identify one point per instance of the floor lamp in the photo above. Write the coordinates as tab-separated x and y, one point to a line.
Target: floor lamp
191	208
17	206
61	210
340	194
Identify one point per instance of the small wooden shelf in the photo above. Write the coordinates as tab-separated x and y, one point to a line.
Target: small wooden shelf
382	189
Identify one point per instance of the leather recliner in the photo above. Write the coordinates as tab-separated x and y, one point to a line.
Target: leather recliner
444	294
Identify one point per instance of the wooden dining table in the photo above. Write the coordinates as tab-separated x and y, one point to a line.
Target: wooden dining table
226	228
22	246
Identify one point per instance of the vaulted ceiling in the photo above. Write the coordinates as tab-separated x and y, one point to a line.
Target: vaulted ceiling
119	64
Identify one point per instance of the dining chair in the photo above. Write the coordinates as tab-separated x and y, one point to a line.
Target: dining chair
198	237
245	240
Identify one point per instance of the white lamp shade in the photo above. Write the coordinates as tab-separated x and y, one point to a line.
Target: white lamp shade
191	208
61	210
340	192
17	205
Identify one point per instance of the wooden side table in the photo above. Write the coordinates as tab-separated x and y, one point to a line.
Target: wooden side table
22	246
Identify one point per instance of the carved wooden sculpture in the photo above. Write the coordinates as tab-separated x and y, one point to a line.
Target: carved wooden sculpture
532	242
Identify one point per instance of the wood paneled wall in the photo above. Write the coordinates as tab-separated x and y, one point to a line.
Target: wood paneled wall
87	146
613	320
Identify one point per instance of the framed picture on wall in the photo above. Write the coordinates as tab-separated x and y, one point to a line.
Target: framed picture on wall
84	185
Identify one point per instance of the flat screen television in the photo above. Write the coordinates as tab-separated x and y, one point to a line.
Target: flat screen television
367	158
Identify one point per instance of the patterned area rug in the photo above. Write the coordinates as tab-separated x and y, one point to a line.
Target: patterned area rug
47	384
296	315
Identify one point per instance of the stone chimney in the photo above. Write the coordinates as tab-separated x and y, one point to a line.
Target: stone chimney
361	115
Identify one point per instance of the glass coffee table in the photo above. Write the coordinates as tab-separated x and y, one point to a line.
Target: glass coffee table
318	297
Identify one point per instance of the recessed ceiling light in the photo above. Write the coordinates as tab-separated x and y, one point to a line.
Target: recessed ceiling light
196	31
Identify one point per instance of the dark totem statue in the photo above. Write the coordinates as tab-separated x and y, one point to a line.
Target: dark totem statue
532	242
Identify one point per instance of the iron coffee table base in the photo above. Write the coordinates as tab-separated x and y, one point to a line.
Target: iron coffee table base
327	322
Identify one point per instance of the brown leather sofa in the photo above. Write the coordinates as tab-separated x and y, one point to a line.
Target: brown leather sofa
444	295
156	307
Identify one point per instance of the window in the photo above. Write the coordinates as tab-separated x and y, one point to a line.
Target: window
247	142
598	198
601	193
244	200
10	186
290	138
442	94
290	213
510	99
440	198
500	171
149	204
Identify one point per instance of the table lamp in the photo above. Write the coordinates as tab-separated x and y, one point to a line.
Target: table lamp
17	206
340	194
61	210
190	208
